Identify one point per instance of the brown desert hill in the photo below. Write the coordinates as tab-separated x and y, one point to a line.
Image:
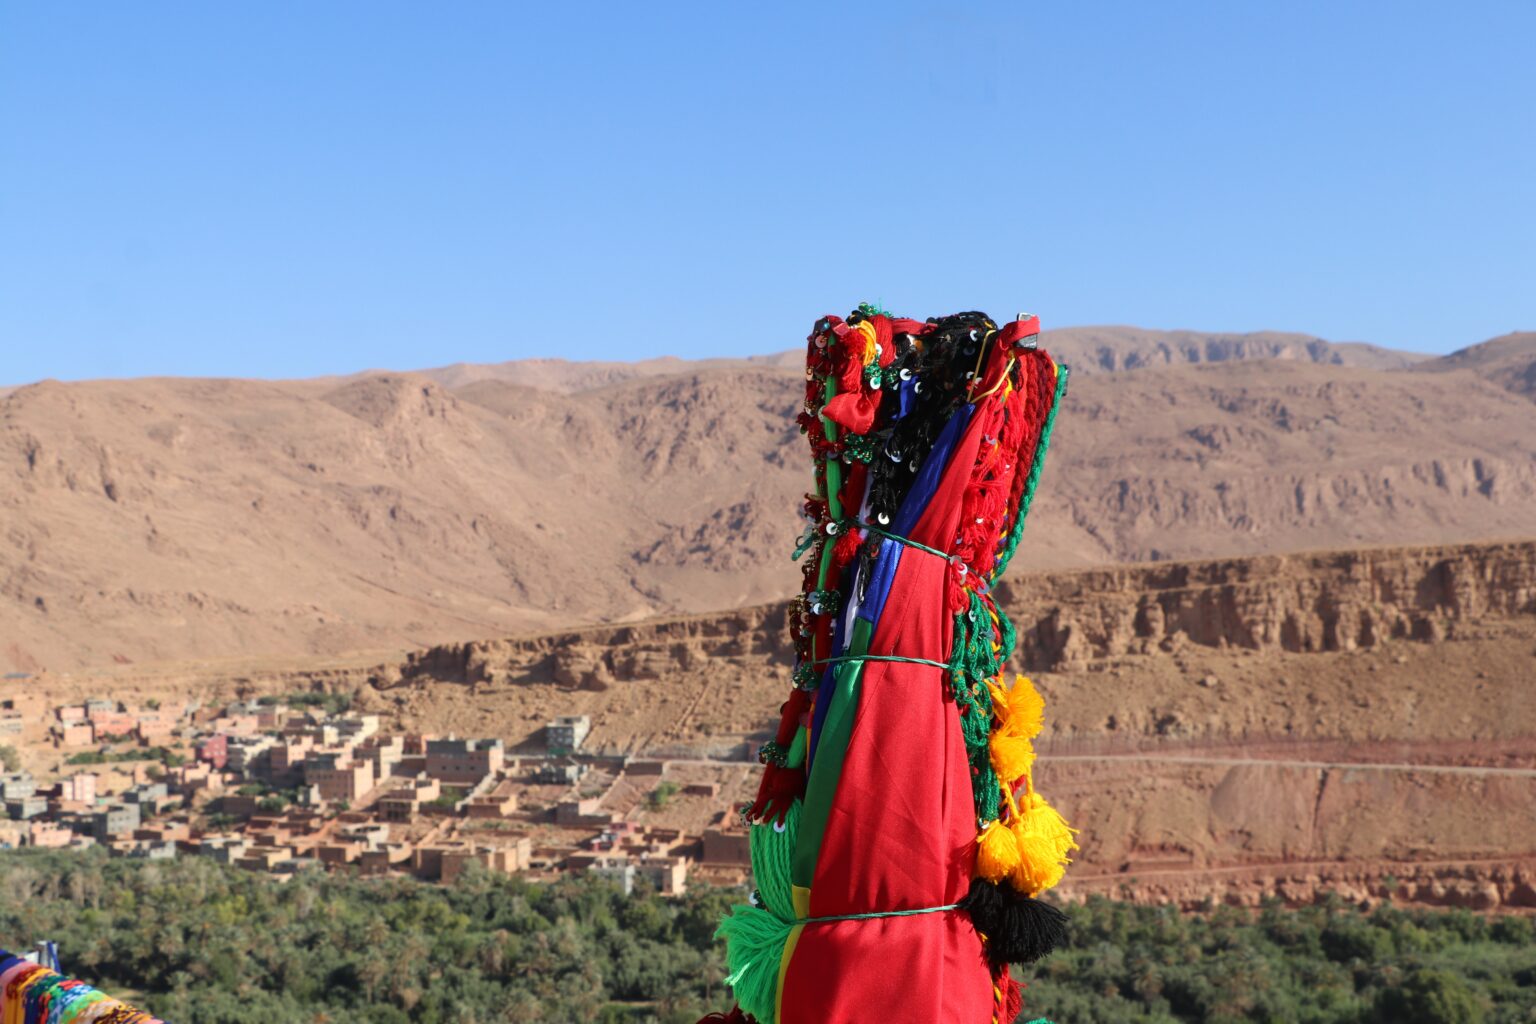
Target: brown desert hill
1087	349
178	518
1508	361
1245	458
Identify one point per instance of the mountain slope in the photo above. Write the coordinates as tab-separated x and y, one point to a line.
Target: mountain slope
1508	361
174	518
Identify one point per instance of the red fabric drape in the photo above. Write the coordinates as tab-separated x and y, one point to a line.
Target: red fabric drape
901	832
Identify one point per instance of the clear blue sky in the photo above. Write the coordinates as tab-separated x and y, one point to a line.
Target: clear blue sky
284	189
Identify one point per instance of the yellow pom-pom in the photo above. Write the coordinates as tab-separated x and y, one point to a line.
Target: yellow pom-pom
1040	818
997	852
1022	709
1012	755
1036	871
1044	840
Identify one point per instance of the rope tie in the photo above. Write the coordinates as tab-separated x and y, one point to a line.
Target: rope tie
843	658
965	570
878	913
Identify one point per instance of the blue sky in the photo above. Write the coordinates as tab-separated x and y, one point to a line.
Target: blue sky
287	189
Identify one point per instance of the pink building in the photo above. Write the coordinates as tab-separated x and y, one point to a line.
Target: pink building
214	750
79	788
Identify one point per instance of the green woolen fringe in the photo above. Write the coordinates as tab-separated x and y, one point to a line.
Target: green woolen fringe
755	936
754	946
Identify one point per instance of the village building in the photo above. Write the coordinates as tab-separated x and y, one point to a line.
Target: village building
338	777
566	734
81	788
73	734
726	846
386	858
457	762
402	802
386	753
114	820
48	835
214	750
246	752
284	766
564	773
585	812
225	849
500	802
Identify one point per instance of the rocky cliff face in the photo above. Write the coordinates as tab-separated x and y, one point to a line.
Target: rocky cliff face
1327	601
598	656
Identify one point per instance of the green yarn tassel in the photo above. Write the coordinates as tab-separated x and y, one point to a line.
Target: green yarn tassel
755	936
772	854
754	945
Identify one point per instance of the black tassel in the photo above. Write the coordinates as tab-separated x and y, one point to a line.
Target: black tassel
1019	928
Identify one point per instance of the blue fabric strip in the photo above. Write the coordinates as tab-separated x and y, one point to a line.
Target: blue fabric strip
880	578
912	508
930	473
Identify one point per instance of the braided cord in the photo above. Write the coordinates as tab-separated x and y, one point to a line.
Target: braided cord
1017	533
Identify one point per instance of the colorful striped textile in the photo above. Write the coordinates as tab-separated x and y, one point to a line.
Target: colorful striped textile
33	994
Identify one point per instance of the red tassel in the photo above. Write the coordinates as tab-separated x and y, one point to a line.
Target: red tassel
779	789
883	335
854	411
1013	997
846	550
735	1016
853	485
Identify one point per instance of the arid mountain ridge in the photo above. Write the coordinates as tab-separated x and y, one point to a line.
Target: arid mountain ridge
158	519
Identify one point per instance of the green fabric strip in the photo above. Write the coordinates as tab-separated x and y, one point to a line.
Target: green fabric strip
834	484
831	747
